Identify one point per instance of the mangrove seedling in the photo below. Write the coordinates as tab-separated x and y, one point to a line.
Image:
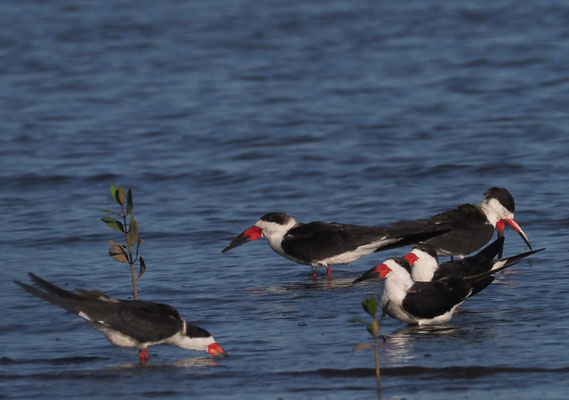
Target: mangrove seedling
369	304
125	252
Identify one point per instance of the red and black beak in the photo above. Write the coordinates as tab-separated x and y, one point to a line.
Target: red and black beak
253	233
411	258
379	271
512	222
215	350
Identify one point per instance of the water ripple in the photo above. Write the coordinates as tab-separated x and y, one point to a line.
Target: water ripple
452	372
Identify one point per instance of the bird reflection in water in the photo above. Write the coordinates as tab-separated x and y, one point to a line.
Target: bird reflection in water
398	347
190	362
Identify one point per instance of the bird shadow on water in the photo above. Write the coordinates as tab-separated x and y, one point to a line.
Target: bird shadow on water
426	331
339	282
190	362
307	285
399	345
456	330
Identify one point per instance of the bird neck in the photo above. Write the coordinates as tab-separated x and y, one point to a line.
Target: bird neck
423	270
494	211
397	286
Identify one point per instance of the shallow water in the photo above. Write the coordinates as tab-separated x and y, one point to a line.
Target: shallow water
217	113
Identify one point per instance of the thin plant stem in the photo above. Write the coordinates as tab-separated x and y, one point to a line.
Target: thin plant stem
377	373
134	292
130	260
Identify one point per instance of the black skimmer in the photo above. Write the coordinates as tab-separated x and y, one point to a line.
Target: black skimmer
423	303
128	323
472	225
426	268
423	258
325	244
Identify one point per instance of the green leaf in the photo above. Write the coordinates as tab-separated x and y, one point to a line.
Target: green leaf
140	241
114	193
118	254
120	196
111	212
369	305
113	223
132	235
129	204
373	328
362	346
142	269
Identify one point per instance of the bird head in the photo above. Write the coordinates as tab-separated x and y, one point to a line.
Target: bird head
272	226
498	205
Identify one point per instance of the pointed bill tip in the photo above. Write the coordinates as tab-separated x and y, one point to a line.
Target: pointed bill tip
512	222
226	249
253	233
372	273
215	350
526	240
238	241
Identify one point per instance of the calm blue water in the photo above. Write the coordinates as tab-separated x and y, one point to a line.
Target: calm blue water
216	113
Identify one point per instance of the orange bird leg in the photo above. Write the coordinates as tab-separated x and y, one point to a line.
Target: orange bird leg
143	355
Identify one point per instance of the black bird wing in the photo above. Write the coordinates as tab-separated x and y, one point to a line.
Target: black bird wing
320	240
518	257
477	264
53	294
431	299
404	236
141	320
469	230
484	279
481	284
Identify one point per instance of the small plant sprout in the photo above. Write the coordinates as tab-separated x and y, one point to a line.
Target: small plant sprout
125	253
369	304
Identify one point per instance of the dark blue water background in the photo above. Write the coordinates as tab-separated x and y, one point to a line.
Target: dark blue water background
215	113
